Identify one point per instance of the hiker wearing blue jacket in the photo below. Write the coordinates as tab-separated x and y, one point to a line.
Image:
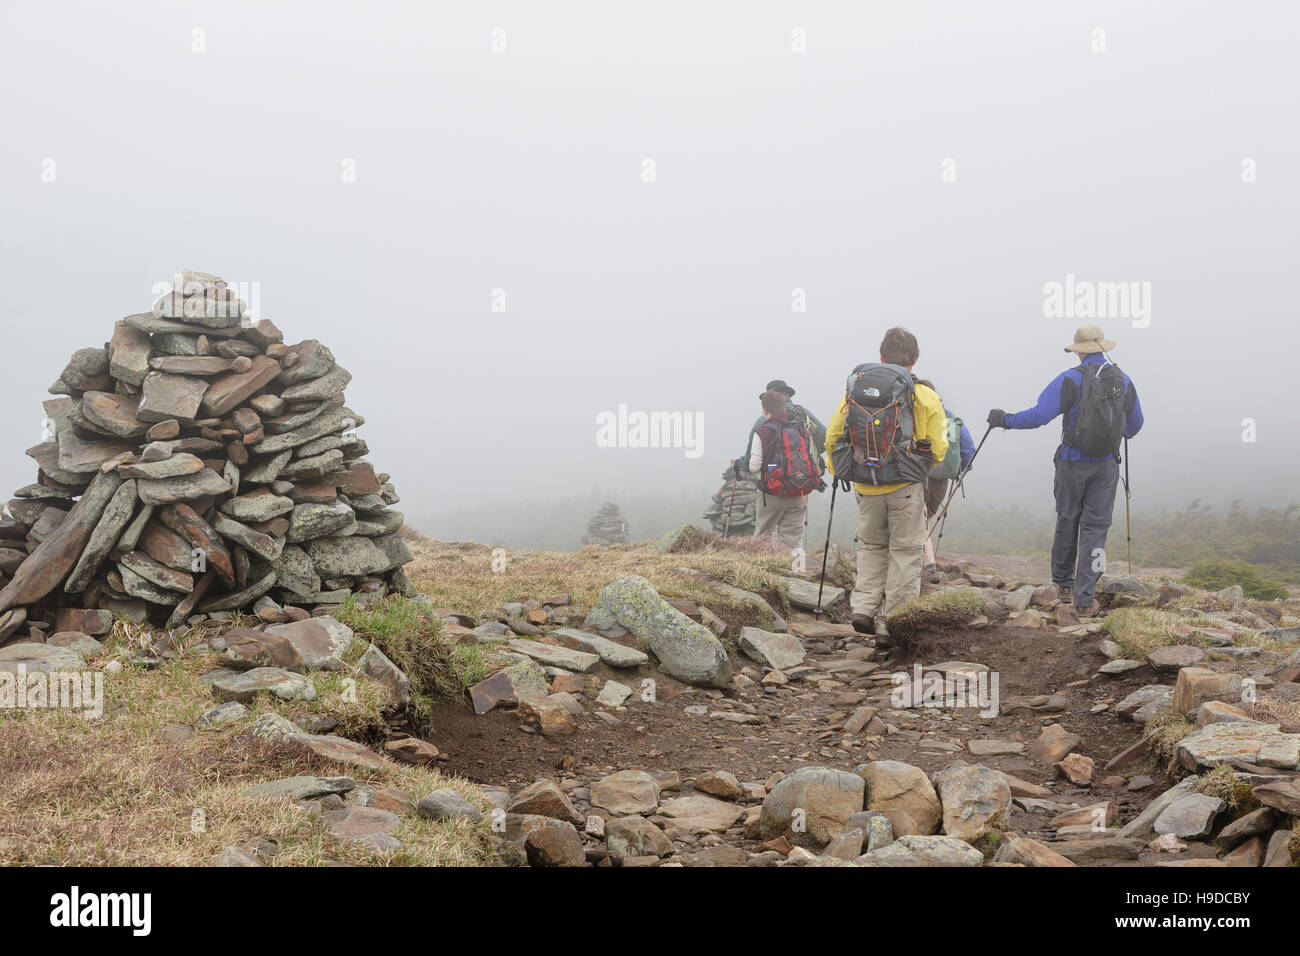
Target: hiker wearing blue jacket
1100	407
936	489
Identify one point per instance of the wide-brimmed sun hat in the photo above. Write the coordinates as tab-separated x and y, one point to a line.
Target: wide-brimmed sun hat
777	385
1089	339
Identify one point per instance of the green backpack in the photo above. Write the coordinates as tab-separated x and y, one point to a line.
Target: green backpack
950	467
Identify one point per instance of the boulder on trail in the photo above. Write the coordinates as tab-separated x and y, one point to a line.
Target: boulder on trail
685	650
811	806
903	794
773	651
915	850
976	800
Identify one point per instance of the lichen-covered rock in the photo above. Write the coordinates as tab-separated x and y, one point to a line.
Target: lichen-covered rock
924	851
685	649
1243	740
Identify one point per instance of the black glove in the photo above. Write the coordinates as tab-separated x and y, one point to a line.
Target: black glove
738	470
997	418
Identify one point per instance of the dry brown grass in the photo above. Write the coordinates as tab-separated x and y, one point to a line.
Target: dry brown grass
113	791
459	574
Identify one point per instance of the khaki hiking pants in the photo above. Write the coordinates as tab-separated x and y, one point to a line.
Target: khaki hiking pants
890	542
782	518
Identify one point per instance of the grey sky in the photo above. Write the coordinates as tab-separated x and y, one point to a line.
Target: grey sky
522	170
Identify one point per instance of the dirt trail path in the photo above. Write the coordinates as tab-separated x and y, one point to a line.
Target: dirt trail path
803	723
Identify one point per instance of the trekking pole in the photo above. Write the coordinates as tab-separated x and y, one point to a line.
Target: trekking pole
939	540
821	583
961	477
1128	498
726	526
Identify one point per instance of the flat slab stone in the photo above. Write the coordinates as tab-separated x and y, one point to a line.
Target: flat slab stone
772	650
1190	817
164	491
803	594
362	824
244	687
298	788
1172	658
563	657
698	812
39	658
200	365
47	567
508	687
610	652
173	466
115	414
923	851
312	520
1216	744
340	750
128	354
335	557
232	389
318	642
170	396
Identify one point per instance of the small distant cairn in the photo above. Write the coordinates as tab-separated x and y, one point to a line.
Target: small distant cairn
742	510
607	527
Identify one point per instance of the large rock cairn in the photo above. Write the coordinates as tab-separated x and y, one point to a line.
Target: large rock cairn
214	469
742	511
607	527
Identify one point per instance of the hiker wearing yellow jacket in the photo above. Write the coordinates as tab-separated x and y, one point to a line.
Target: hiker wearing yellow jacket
891	517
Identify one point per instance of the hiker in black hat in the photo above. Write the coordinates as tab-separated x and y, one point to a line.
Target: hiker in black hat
797	413
1099	408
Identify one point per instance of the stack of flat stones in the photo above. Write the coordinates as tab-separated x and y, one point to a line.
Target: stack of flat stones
607	527
742	510
194	466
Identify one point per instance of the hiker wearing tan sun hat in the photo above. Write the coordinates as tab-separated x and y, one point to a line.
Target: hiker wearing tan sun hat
1099	407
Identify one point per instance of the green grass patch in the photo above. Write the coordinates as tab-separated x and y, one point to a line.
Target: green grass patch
439	667
942	609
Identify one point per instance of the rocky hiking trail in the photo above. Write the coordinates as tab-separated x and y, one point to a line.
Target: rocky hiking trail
695	722
1063	750
278	671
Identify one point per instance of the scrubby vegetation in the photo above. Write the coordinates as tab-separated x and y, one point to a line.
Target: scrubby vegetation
1216	574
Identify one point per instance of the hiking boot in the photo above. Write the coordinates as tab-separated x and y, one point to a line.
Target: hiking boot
1088	610
884	643
864	624
1065	593
932	575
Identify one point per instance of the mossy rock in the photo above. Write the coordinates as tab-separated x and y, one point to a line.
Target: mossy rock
686	650
685	537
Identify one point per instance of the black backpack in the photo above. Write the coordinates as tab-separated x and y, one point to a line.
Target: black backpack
879	447
1102	411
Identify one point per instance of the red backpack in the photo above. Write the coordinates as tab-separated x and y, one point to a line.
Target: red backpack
793	472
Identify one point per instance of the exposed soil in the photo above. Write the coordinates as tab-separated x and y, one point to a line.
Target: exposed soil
802	724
